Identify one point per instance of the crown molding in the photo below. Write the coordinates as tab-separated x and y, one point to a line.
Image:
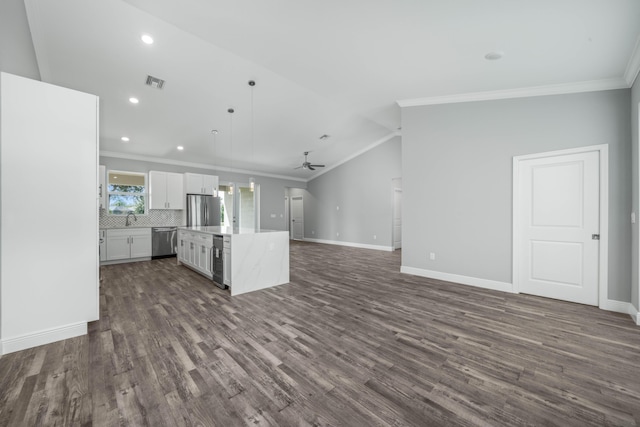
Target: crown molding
358	153
161	160
633	66
559	89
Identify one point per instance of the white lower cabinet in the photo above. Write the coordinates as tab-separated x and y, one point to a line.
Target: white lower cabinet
226	259
103	245
195	250
128	243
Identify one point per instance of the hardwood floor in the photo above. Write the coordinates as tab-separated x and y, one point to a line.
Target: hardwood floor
349	342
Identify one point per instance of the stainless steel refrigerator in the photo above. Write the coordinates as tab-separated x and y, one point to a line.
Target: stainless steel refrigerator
202	210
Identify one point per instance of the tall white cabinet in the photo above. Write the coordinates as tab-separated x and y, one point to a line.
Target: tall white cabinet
48	233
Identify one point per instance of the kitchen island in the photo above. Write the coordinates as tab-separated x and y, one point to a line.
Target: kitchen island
249	259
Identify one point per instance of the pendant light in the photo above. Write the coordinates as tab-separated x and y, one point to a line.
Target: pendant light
215	158
231	111
252	182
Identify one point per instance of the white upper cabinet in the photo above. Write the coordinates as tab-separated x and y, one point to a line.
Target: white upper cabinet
200	184
175	191
166	190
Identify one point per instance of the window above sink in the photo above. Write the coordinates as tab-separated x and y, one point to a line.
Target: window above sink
126	192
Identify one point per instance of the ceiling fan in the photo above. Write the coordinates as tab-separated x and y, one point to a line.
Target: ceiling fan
307	165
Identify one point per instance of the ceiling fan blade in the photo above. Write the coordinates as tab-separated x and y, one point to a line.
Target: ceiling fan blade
318	166
311	167
298	167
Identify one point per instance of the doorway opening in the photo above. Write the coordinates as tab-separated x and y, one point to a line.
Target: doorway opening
239	206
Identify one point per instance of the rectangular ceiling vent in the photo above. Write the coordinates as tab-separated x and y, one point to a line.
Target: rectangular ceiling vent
155	82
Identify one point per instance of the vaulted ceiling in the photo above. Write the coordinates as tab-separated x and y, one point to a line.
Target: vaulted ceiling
329	67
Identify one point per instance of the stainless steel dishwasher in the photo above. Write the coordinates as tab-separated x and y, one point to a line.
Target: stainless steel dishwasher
164	242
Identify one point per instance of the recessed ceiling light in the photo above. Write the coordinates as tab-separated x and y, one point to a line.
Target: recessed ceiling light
147	39
493	56
134	100
180	147
125	139
214	131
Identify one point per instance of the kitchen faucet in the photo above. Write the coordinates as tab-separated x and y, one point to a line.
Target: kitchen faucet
135	218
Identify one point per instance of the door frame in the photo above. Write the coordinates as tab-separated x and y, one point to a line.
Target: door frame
603	252
292	198
393	217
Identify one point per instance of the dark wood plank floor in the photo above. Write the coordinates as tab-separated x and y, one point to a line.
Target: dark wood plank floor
349	342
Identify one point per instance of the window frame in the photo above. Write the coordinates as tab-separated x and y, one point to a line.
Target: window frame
145	194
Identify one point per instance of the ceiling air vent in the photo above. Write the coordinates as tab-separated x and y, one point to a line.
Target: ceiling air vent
155	82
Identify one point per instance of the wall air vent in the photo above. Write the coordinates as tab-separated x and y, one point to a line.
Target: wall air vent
155	82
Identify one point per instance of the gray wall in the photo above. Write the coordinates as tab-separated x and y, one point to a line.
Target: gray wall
272	190
457	177
363	189
635	143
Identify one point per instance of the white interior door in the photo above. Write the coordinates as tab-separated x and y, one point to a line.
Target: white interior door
559	217
297	218
397	218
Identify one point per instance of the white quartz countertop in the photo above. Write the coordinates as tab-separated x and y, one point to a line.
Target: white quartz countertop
227	230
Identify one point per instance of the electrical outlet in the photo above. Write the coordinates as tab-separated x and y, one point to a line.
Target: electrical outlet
337	234
375	237
432	256
313	231
633	217
337	208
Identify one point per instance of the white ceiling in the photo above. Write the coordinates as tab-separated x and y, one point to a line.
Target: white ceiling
321	67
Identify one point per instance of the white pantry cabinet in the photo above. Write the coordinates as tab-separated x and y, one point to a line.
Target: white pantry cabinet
166	190
130	243
200	184
49	134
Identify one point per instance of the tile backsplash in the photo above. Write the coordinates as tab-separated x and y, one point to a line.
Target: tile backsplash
154	218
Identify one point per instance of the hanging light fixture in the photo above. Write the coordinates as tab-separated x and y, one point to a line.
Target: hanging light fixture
215	158
231	111
252	182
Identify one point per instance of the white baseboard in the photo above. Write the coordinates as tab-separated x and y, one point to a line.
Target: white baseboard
350	244
622	307
617	306
609	305
635	315
43	337
456	278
